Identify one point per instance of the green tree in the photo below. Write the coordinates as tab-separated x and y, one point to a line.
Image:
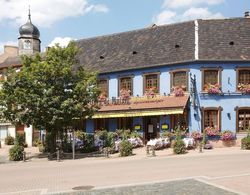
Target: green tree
49	91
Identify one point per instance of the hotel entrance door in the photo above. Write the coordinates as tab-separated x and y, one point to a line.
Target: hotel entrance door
151	127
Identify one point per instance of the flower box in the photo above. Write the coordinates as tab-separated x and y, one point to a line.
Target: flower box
178	91
212	131
212	89
244	88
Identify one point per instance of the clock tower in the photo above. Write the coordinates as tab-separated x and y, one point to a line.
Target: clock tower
29	42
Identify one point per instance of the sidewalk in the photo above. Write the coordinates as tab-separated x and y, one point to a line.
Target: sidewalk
33	154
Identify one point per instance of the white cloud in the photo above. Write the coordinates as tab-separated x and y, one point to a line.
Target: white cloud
183	10
165	17
2	44
46	12
62	41
97	8
187	3
200	13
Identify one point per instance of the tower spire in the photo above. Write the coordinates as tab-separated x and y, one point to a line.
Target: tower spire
29	16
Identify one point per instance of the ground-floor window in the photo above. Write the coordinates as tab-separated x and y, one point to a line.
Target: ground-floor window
211	118
179	119
125	123
102	124
243	120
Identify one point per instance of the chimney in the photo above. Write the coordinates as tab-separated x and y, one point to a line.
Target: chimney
247	14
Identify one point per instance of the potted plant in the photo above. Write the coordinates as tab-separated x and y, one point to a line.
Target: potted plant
228	138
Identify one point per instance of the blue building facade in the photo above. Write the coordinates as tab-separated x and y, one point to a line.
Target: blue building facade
198	71
227	104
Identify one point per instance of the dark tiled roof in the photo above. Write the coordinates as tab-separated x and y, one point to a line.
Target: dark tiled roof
219	40
226	39
153	45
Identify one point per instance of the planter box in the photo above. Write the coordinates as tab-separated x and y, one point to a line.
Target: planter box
223	144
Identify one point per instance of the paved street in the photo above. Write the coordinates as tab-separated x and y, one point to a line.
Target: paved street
218	171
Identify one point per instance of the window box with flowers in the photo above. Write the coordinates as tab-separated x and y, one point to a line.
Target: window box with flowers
212	89
125	95
102	98
212	133
178	91
151	92
244	88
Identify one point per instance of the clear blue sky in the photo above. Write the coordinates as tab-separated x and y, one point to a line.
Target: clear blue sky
88	18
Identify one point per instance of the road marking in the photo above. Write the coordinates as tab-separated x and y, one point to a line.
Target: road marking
219	186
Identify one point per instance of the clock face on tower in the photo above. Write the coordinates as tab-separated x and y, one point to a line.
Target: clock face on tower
27	44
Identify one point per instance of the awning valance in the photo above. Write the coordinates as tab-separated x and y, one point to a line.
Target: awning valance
161	105
137	113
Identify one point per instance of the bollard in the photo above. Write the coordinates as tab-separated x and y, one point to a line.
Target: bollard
24	156
153	151
147	149
107	152
58	154
200	146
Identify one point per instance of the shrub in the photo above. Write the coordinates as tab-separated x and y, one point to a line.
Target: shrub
179	147
66	146
110	142
16	153
166	134
88	145
41	148
102	134
125	148
37	142
20	139
80	134
245	143
227	136
124	134
135	134
9	140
